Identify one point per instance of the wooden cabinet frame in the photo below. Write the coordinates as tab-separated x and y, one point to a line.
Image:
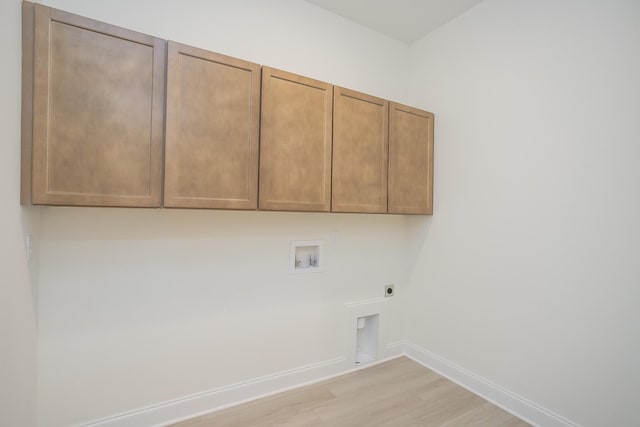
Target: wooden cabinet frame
93	130
360	152
295	143
410	160
56	172
212	130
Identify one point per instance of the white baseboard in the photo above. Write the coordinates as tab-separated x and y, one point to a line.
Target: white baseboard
173	411
165	413
180	409
505	399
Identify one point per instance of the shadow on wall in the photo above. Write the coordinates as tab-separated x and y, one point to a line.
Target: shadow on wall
77	223
31	217
418	229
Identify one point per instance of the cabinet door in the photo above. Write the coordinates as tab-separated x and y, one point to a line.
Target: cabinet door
360	152
98	102
410	160
295	143
212	130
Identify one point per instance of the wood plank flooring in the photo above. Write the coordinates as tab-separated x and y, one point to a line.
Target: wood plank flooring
397	393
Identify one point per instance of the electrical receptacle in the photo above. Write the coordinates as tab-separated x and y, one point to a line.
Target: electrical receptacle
388	291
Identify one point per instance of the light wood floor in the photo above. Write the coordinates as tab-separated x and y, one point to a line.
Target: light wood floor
397	393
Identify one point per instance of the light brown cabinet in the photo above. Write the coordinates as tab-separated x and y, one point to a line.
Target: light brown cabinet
93	106
410	160
235	137
212	130
360	152
295	143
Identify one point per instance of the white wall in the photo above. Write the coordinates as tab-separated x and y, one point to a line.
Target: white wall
527	274
18	340
529	271
142	306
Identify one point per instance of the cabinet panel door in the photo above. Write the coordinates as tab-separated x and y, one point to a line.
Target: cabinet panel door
212	130
410	160
360	152
98	106
295	143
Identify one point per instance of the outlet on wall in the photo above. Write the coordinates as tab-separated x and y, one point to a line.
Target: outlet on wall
388	291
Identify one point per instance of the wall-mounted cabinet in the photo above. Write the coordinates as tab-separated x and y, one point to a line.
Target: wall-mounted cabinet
410	160
212	130
360	152
235	136
93	106
295	143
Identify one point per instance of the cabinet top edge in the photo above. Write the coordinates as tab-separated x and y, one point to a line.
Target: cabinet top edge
174	47
95	25
412	110
340	90
298	78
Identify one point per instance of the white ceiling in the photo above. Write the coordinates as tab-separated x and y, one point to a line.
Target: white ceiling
404	20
